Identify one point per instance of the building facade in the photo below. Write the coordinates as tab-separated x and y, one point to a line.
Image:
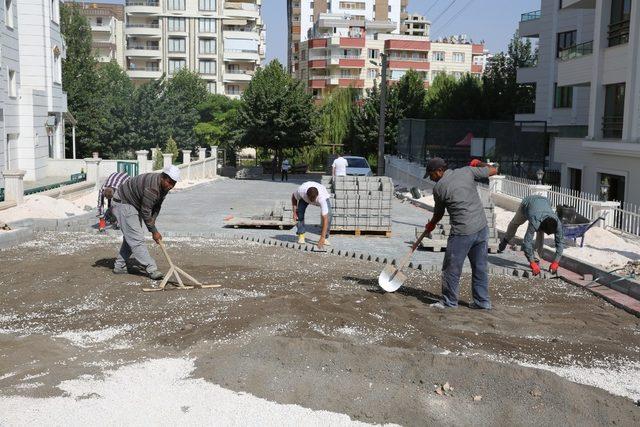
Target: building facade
415	25
597	81
32	102
107	30
344	51
303	14
222	40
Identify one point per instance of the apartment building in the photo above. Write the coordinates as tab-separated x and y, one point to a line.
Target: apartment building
32	102
597	87
107	30
303	14
344	51
415	25
223	40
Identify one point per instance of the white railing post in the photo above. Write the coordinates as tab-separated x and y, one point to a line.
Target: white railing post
202	153
495	183
214	159
93	171
167	160
606	210
540	190
14	186
142	156
186	157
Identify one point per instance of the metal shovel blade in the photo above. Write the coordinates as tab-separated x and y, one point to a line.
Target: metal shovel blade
391	279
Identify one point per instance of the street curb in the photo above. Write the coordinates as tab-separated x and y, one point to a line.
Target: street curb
15	237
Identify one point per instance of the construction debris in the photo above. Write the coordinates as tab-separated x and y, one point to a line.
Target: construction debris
4	226
279	216
254	172
360	203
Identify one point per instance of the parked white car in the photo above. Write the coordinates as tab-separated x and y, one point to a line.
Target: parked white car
358	166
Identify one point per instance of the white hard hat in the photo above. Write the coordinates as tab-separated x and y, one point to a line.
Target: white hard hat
173	172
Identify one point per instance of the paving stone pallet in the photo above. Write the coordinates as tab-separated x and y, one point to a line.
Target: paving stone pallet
361	204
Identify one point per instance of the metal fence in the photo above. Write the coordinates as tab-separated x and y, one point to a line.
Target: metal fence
519	147
74	179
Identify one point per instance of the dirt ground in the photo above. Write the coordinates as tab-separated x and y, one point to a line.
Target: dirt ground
314	330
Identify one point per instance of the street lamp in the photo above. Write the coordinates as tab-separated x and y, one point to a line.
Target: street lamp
540	175
383	110
604	189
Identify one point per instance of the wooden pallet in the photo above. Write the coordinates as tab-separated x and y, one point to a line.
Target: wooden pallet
361	232
237	222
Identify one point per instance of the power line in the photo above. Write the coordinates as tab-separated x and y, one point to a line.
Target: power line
444	11
432	6
454	17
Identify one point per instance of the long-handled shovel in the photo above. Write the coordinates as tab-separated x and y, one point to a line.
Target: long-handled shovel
177	271
392	277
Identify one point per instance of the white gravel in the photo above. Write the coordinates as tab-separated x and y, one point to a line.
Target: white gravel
156	392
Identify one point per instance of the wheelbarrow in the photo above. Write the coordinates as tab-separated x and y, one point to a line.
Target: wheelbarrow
577	230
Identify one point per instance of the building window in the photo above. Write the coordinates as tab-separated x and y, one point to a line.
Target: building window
457	75
57	68
8	13
619	22
207	5
175	4
99	22
207	46
310	18
207	66
372	74
613	119
233	90
565	41
374	53
350	5
207	25
177	45
176	64
563	96
211	87
575	179
55	11
176	24
437	56
458	57
13	84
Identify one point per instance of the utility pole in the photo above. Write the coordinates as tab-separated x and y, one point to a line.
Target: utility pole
383	109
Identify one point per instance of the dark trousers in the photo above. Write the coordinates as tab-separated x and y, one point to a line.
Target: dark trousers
475	247
302	208
285	176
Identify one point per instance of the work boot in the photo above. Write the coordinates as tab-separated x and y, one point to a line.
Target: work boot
503	245
475	306
156	275
118	270
301	240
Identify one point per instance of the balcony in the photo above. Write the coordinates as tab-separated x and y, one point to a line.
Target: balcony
241	55
238	75
346	42
143	7
317	82
151	30
530	24
317	63
412	45
145	51
619	33
576	63
612	127
144	72
250	35
349	61
578	4
241	10
400	63
100	29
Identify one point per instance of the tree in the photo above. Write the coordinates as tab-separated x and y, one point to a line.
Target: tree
183	93
150	123
336	116
276	113
79	78
453	99
158	160
172	147
411	94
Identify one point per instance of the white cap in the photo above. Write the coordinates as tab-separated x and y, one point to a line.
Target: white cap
173	172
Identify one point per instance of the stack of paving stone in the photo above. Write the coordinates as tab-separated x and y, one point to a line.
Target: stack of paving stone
438	240
360	203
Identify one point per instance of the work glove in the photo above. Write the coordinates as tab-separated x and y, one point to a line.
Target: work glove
554	267
535	268
430	227
475	163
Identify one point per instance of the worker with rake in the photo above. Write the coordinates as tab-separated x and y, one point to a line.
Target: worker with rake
542	220
456	191
138	200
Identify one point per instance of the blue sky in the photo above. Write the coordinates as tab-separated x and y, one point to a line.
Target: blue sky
493	21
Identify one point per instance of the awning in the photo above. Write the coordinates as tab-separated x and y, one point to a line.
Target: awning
235	22
69	118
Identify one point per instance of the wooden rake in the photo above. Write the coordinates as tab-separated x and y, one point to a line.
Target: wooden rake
176	271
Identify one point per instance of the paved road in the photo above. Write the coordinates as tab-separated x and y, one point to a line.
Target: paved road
202	209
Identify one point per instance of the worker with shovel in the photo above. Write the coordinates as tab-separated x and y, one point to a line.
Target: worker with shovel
312	193
542	220
138	201
456	191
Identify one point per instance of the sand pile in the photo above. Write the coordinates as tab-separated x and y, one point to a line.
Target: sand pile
188	183
41	207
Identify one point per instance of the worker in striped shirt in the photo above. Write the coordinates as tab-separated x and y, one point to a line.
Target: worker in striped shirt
106	192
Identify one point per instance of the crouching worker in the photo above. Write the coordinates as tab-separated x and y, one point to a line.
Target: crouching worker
312	193
542	220
106	192
136	202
